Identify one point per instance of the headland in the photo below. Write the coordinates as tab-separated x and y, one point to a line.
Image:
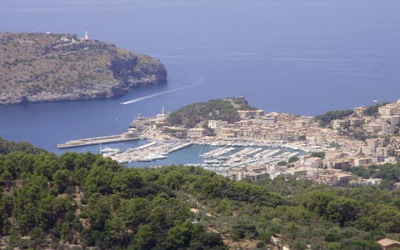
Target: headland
43	67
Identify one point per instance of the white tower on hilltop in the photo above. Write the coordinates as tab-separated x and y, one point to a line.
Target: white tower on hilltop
86	35
161	117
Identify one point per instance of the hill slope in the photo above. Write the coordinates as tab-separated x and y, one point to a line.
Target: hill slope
83	200
38	67
201	112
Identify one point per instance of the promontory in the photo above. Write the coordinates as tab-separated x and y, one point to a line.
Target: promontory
42	67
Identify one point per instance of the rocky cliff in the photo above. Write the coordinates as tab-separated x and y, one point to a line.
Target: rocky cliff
38	67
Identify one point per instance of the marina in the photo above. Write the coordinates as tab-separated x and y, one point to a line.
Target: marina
215	156
219	159
217	152
149	152
241	157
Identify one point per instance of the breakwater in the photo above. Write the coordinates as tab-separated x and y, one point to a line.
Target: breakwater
96	140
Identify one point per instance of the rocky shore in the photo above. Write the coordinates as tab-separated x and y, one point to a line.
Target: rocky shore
39	67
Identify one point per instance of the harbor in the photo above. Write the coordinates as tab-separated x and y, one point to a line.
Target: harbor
248	143
220	159
215	156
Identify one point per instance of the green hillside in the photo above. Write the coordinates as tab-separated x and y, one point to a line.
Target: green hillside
201	112
80	200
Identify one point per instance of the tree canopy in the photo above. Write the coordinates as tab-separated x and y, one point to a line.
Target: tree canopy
325	119
50	201
191	115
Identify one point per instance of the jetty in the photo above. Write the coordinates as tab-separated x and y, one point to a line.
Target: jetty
96	140
151	151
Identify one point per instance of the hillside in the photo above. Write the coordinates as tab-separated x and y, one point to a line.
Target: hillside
38	67
199	113
81	200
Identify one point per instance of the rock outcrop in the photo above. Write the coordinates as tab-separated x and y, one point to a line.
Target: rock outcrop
38	67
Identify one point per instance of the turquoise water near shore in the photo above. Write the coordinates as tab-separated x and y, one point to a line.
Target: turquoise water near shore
302	57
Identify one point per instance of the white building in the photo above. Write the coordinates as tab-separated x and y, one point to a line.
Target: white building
196	132
213	124
387	110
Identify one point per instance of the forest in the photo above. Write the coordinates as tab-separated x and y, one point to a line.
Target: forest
82	200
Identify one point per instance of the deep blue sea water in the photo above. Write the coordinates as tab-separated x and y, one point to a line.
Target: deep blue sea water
297	56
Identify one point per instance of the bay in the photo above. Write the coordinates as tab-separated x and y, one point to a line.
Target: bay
303	57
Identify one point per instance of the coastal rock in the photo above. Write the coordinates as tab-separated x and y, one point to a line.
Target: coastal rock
38	67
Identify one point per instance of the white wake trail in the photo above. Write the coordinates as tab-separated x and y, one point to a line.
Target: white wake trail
161	93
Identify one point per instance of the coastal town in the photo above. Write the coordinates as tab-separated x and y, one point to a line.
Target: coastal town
274	144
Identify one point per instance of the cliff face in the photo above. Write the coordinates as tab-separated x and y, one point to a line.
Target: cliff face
37	67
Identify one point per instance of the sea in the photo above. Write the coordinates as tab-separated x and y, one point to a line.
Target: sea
297	56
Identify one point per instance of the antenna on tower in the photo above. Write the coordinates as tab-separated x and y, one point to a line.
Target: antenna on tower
86	35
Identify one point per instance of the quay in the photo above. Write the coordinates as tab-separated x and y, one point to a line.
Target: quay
150	152
96	140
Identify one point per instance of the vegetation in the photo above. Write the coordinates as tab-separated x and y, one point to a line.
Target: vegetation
335	145
241	103
325	119
390	172
318	154
200	113
7	147
50	201
47	67
282	163
293	159
97	202
355	131
373	109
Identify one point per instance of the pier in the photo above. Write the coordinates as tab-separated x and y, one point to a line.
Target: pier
225	158
150	152
97	140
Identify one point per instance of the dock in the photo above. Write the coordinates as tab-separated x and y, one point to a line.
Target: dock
96	140
150	151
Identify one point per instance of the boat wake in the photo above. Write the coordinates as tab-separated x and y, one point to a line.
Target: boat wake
162	93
